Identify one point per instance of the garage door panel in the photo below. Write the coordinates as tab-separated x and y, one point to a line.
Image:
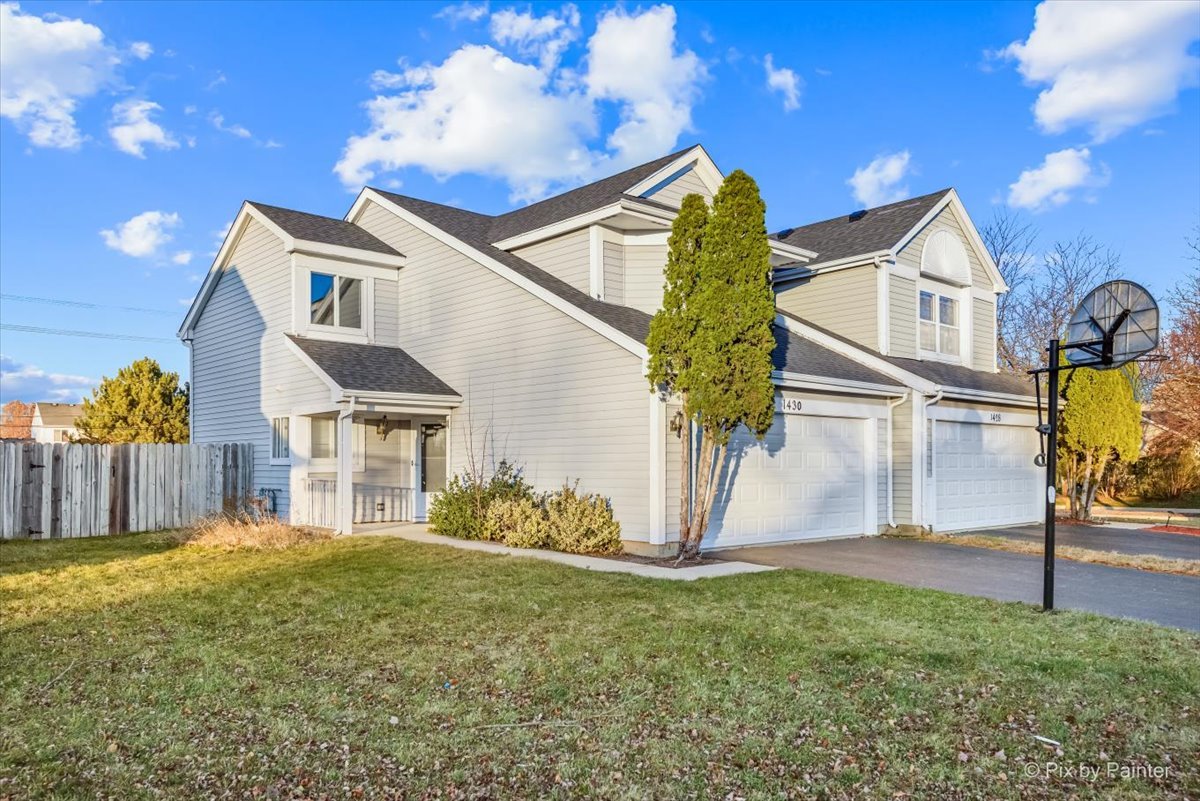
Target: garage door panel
984	475
805	480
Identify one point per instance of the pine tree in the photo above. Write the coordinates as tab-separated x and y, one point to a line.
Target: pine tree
1100	424
141	404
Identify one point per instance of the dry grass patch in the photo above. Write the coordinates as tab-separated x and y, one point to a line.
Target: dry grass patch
245	533
1155	564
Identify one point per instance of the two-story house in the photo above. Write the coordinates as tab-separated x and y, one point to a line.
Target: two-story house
370	358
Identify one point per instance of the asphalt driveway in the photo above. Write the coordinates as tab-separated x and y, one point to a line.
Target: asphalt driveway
1127	539
1169	600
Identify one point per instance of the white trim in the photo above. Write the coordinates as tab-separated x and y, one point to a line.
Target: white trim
857	260
954	202
780	248
993	418
324	250
882	308
1001	398
816	383
302	269
696	158
650	214
871	469
272	459
949	279
567	307
917	456
820	407
658	470
598	235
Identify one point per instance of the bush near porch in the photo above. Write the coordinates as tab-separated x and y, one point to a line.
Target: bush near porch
504	508
375	667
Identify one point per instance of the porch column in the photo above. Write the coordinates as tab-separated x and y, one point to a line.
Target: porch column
345	472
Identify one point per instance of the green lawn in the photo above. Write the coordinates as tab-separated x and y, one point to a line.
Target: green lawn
371	667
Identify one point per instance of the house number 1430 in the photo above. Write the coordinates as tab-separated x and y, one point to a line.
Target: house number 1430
791	405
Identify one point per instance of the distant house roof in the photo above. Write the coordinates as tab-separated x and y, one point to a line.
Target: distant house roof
59	414
315	228
372	368
586	198
861	232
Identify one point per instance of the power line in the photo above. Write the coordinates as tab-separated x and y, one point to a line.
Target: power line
79	304
34	329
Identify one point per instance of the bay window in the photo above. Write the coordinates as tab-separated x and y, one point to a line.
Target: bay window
939	324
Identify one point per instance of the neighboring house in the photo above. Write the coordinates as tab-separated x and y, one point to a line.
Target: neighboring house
370	358
54	422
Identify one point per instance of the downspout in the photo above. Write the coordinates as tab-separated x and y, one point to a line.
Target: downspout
891	503
345	452
926	450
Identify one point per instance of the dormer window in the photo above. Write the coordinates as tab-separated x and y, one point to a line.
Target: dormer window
335	300
945	257
939	324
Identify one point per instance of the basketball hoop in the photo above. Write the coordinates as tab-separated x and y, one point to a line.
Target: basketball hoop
1117	323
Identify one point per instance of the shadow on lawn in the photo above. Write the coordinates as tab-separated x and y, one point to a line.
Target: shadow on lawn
27	556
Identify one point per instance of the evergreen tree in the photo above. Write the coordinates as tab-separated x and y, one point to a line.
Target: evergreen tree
141	404
1101	423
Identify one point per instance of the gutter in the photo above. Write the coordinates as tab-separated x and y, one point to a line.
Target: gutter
891	502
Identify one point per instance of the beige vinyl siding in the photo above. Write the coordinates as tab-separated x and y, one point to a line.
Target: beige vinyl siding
644	266
243	373
844	301
983	334
387	312
910	254
902	317
687	184
614	273
567	257
902	452
550	394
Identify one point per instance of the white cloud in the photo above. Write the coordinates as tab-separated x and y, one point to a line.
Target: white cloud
218	121
21	381
878	183
47	65
142	235
132	129
1054	182
1108	66
785	81
463	12
544	38
141	50
182	257
482	111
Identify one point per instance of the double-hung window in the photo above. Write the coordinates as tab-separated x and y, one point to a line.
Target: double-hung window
335	300
281	449
939	324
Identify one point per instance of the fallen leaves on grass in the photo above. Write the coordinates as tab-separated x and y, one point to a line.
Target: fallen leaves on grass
1155	564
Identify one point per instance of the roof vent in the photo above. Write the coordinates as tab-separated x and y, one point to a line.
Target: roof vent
858	215
785	233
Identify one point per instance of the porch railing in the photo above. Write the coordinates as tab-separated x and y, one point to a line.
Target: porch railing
373	503
321	504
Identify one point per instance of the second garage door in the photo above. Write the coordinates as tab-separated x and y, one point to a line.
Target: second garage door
807	479
984	475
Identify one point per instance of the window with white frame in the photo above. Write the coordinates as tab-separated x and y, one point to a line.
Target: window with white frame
939	324
323	441
280	439
335	300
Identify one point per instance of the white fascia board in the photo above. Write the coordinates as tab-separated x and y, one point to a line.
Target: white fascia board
857	260
565	306
954	202
817	383
909	380
651	214
791	251
341	253
1006	398
697	158
340	394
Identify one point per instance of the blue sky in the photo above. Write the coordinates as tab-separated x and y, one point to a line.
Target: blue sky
152	122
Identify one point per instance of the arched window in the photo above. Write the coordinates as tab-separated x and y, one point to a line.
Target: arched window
944	256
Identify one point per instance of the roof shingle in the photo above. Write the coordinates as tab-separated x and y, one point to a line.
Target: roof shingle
372	368
315	228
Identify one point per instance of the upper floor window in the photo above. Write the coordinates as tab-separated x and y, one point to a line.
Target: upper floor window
939	324
945	257
335	300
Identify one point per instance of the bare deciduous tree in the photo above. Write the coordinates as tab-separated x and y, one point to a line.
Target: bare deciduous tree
1010	240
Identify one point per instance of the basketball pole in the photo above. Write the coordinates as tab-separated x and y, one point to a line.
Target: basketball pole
1051	475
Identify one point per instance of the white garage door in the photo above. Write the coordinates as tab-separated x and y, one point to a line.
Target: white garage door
807	479
985	476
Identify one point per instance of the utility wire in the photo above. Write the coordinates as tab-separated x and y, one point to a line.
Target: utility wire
83	305
34	329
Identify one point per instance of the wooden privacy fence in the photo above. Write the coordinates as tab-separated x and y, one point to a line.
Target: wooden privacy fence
72	490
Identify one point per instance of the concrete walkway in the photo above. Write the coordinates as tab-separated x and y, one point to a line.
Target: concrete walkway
418	532
1119	538
1169	600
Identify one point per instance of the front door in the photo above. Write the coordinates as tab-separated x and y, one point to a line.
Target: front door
431	464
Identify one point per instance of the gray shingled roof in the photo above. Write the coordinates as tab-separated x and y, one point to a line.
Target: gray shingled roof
372	368
578	201
877	229
315	228
943	373
795	354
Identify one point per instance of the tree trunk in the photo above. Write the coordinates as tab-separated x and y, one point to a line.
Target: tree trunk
691	547
714	480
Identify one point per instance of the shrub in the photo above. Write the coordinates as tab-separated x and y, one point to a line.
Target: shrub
461	509
519	522
1171	469
243	532
581	523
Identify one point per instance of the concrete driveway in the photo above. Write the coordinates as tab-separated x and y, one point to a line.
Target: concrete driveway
1169	600
1122	537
